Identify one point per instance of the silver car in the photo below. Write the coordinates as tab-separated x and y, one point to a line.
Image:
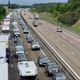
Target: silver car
35	45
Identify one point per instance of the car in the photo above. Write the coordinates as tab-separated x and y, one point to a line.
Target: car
35	24
19	50
59	76
26	31
21	57
30	39
28	35
43	60
35	45
51	68
17	39
59	29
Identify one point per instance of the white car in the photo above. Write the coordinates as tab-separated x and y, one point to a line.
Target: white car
35	45
59	29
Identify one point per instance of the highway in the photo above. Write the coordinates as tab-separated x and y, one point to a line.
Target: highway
65	44
30	55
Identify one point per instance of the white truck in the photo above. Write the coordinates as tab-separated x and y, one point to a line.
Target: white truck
4	39
36	16
4	56
27	70
5	29
4	71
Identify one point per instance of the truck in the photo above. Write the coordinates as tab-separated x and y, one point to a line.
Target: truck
5	29
36	16
4	55
4	71
4	39
27	70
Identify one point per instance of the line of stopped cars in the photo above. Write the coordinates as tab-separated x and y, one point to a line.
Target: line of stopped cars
51	68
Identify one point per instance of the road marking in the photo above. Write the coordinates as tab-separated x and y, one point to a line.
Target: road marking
71	41
42	52
57	40
63	45
72	36
58	55
73	53
12	65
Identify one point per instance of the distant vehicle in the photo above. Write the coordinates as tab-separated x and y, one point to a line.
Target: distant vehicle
43	60
36	16
51	68
35	45
30	39
59	29
26	31
27	70
59	76
21	57
16	39
28	35
19	50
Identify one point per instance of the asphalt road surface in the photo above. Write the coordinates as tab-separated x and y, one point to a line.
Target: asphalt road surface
67	44
30	55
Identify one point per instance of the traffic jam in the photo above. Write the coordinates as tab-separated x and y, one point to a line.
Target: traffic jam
27	69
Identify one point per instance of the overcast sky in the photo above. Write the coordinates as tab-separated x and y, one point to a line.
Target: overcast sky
30	2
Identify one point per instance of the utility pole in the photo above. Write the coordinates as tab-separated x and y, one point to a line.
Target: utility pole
8	3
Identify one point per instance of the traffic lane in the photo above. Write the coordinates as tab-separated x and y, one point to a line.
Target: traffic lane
13	73
46	52
68	53
72	38
33	55
61	44
68	37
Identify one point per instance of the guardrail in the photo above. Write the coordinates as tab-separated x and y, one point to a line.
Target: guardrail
52	50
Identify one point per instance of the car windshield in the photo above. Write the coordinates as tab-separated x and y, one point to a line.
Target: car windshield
43	60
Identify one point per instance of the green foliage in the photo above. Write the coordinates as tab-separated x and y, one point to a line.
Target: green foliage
67	13
2	12
68	18
13	6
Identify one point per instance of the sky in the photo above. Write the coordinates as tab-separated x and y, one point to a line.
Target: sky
30	2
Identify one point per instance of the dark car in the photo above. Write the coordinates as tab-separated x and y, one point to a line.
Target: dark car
30	39
21	57
43	60
17	39
51	68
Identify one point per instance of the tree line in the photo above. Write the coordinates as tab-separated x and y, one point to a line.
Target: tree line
2	12
67	13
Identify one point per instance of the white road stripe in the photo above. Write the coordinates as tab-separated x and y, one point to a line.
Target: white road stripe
72	36
59	56
12	65
73	53
42	52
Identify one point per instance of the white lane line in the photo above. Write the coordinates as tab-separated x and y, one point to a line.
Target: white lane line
63	45
57	40
72	36
71	41
58	55
12	65
42	52
73	53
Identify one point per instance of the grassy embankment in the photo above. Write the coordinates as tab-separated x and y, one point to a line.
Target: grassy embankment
50	18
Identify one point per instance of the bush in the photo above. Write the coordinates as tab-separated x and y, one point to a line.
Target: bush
68	18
